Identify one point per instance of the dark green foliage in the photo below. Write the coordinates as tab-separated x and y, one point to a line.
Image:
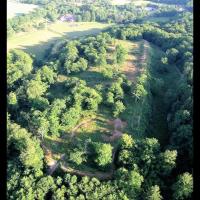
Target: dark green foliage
120	54
172	55
28	147
71	117
77	156
43	186
102	154
35	89
46	74
183	187
19	64
130	181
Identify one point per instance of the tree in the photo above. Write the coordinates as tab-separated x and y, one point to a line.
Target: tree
110	98
77	156
130	181
120	54
140	91
154	193
183	187
107	71
135	179
43	186
87	16
172	55
71	117
19	64
12	99
126	158
80	65
101	60
46	74
70	51
117	91
164	60
118	108
126	141
103	154
56	109
30	152
35	89
39	123
168	161
59	193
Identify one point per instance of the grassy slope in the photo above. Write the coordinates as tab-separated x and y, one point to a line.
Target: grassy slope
36	42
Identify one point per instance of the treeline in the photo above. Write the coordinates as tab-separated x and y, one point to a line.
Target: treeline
172	38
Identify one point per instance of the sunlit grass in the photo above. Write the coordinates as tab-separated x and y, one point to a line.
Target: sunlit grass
38	41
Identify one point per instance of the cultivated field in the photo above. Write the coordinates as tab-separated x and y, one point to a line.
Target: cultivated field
15	8
38	41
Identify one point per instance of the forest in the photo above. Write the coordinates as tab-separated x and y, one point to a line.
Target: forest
106	116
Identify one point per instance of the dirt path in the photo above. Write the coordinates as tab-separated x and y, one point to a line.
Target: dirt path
55	165
131	69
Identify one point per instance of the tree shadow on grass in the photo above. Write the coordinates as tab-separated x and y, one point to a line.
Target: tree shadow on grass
56	146
57	90
91	77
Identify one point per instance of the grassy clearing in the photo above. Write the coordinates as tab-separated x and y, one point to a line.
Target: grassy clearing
16	8
38	41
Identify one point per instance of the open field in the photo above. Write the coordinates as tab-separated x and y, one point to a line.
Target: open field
15	8
38	41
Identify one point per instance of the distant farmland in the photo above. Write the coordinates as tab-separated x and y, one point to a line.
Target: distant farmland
15	8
